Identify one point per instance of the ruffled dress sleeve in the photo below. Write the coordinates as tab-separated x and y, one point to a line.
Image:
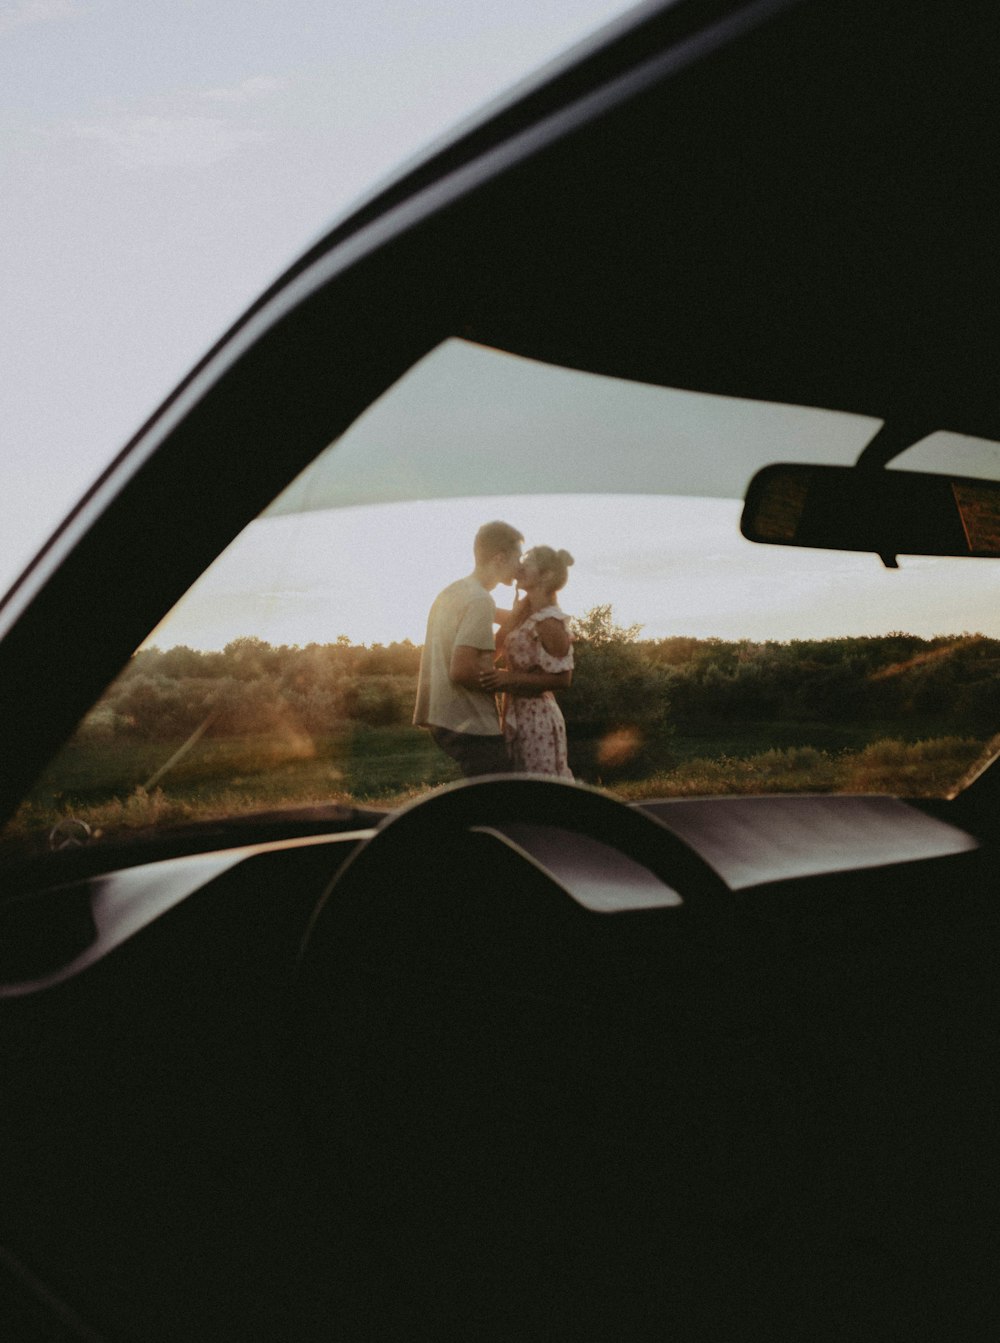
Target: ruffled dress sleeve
546	661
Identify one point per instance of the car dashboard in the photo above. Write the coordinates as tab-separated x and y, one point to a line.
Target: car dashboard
50	936
356	1079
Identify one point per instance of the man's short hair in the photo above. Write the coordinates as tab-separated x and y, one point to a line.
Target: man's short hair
494	538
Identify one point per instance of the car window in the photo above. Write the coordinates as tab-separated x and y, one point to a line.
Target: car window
703	664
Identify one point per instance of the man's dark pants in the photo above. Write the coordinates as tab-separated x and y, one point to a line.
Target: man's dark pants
472	753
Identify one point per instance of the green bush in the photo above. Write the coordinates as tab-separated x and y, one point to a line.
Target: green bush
616	687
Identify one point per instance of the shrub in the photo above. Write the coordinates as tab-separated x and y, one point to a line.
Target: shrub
616	688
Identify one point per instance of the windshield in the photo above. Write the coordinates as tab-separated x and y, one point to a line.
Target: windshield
701	663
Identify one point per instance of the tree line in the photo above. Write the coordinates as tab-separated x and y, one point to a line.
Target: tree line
622	681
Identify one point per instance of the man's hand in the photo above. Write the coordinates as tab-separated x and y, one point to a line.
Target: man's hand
496	679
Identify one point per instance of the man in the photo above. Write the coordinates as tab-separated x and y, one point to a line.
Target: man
461	715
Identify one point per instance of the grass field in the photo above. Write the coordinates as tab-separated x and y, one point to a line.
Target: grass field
121	785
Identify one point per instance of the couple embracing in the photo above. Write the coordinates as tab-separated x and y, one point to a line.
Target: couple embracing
459	680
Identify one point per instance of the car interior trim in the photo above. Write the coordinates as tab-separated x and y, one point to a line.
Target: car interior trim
750	841
117	905
597	876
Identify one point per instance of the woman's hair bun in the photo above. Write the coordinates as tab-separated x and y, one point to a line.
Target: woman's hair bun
566	557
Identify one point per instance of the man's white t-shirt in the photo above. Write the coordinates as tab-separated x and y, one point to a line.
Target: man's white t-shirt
464	613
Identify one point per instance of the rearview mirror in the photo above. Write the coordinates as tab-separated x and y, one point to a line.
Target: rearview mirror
887	512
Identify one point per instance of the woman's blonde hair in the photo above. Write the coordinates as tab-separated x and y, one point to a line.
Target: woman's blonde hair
553	565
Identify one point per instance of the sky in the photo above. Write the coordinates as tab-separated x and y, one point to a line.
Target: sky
161	161
672	566
363	540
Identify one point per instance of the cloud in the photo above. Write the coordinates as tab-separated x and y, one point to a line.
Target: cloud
165	141
29	12
248	90
180	130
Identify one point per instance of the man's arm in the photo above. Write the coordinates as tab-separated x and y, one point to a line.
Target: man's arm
466	665
524	683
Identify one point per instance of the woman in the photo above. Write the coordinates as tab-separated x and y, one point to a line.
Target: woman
536	641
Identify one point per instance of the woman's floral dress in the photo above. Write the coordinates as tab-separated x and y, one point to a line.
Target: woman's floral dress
533	724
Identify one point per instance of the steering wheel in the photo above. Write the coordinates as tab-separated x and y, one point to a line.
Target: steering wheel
426	830
471	1048
430	898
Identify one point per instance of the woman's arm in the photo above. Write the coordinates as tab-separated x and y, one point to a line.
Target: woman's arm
505	619
554	636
